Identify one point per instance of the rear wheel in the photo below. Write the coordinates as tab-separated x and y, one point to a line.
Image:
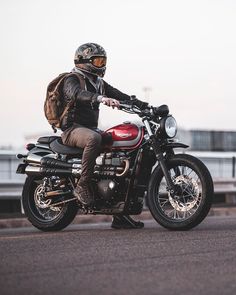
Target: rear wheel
39	209
194	198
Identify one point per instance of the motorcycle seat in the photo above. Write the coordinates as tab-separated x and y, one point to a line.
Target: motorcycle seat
47	139
58	147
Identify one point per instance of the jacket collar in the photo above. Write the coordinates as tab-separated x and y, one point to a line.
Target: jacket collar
97	85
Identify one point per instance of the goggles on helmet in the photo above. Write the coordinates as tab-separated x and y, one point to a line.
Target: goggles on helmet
96	61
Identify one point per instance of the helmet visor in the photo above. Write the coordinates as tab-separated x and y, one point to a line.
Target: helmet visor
99	61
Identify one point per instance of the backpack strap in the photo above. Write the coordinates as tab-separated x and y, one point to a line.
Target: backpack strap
82	85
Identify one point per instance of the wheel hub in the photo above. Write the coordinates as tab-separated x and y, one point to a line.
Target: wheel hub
39	197
188	193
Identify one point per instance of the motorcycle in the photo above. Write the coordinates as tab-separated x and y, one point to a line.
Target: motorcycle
137	163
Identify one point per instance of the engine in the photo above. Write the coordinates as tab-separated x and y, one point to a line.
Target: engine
111	169
112	164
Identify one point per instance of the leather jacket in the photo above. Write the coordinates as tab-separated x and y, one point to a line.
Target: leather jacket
85	110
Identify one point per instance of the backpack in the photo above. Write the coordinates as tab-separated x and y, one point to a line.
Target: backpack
55	107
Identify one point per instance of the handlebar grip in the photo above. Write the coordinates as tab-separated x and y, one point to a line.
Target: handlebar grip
140	104
124	106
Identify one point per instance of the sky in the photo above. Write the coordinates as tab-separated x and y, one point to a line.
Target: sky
183	51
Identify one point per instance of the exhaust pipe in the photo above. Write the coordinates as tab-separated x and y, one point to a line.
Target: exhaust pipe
43	171
32	158
49	162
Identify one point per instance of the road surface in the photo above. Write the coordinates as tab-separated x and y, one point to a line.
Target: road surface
94	259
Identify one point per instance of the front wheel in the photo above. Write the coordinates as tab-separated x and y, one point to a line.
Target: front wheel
191	204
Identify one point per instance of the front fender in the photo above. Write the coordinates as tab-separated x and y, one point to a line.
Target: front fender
169	146
173	145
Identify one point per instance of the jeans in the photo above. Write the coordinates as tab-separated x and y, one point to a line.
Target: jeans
90	141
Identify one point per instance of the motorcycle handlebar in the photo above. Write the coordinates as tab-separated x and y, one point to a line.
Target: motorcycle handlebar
148	110
134	109
138	104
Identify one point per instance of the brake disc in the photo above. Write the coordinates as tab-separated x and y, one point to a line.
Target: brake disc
189	195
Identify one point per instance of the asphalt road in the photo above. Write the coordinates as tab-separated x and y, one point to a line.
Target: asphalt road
94	259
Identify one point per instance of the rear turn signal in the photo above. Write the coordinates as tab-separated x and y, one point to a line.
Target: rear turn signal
30	146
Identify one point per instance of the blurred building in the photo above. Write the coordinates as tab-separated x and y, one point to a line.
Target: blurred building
204	140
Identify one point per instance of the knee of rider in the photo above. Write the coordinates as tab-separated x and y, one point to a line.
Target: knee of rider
95	139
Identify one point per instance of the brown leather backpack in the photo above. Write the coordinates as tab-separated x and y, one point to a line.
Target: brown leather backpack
55	107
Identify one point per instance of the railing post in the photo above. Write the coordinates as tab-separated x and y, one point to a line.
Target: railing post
9	167
233	167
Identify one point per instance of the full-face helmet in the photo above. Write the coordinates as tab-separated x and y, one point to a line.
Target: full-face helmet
91	58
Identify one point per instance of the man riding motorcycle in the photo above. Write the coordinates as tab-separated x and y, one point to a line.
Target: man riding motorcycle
80	123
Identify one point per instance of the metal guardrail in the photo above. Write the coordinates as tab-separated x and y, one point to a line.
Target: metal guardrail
222	166
224	185
8	165
12	190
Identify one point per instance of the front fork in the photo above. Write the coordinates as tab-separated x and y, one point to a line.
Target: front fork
171	187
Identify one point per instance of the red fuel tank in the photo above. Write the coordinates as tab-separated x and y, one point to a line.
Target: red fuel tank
126	135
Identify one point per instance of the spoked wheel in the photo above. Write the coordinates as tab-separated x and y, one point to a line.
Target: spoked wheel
194	195
39	210
41	205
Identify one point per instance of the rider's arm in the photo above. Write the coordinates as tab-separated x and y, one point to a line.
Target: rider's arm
115	93
120	96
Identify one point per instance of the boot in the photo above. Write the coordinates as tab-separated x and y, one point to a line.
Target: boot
125	222
84	194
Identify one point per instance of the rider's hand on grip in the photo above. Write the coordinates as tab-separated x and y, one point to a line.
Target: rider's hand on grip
110	102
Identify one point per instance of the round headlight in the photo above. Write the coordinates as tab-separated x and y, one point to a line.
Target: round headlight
170	126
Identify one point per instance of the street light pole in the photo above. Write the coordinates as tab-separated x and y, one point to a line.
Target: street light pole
147	90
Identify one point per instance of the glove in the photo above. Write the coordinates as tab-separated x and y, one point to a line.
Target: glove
140	104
